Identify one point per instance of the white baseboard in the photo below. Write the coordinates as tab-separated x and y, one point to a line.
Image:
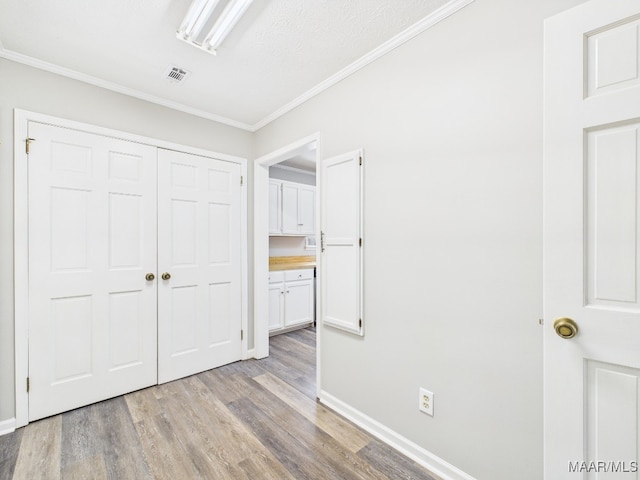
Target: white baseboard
415	452
251	353
7	426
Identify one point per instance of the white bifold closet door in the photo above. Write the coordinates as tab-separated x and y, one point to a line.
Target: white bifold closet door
107	218
199	241
92	240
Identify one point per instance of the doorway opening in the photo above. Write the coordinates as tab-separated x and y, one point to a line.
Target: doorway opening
293	166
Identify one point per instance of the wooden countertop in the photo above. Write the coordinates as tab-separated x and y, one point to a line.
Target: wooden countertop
291	263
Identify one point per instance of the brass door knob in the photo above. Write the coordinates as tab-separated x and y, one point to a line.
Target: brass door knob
166	276
565	327
150	277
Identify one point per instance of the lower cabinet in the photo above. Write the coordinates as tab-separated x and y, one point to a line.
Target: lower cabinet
291	299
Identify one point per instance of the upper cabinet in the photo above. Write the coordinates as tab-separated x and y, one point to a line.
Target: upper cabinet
275	206
292	208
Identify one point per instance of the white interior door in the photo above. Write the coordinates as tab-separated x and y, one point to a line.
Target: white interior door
92	240
199	242
340	242
591	232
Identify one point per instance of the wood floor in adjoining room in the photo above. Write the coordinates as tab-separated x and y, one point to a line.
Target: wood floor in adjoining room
256	419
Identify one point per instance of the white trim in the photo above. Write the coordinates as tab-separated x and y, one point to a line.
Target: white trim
114	87
319	271
427	22
122	135
244	260
21	231
21	265
261	244
7	426
405	446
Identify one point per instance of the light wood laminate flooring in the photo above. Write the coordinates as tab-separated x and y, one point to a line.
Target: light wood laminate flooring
256	419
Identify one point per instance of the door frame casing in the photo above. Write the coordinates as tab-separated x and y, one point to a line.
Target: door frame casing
21	235
261	243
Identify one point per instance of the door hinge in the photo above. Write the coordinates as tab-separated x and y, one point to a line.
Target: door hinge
360	161
321	241
241	180
360	241
541	321
28	144
241	334
360	323
28	385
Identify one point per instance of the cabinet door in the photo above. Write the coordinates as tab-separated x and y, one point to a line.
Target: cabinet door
276	300
289	208
298	303
275	207
306	209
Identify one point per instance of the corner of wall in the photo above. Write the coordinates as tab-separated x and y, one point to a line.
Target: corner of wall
405	446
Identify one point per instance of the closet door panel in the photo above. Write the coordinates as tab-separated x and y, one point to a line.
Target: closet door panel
199	238
92	240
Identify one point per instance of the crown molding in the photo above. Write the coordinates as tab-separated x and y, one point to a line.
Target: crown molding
114	87
427	22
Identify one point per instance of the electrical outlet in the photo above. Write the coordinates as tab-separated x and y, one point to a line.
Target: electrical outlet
425	402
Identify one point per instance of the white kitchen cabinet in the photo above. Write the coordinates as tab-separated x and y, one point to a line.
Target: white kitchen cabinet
276	305
292	208
291	299
289	208
306	209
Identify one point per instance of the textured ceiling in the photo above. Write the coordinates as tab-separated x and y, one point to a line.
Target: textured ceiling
278	51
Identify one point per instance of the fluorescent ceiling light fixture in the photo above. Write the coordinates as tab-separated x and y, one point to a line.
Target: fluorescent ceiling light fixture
201	14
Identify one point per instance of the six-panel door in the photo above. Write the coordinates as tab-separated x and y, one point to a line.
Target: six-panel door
592	241
92	240
199	238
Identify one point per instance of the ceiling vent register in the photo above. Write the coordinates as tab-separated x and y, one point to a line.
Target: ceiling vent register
176	74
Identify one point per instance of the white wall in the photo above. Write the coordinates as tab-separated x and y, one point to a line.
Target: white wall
451	124
288	246
31	89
